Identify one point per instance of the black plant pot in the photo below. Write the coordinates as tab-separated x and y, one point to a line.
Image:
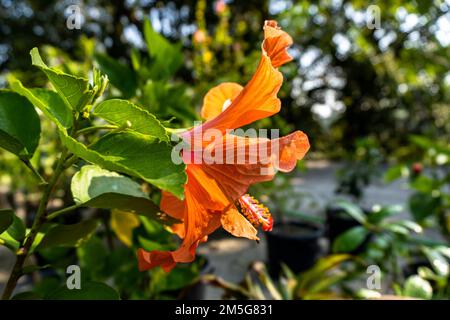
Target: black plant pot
337	222
296	244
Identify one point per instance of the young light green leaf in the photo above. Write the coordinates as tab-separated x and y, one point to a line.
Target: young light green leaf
20	127
49	102
126	114
75	91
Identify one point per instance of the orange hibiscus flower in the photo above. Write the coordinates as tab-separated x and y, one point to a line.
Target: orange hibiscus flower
215	194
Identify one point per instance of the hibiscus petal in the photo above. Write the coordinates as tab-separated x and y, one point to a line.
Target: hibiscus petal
276	41
258	99
216	100
253	160
148	260
203	205
171	205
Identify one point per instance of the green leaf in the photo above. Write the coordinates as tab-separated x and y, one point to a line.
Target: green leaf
438	261
48	101
135	155
350	239
93	256
73	90
426	143
89	291
423	205
352	210
95	187
27	295
92	181
17	229
319	270
126	114
100	83
167	58
33	268
20	127
14	234
384	212
395	172
120	75
411	225
6	219
396	228
178	278
417	287
9	242
71	235
424	184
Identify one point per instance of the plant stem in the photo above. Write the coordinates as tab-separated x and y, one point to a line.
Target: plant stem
40	218
55	214
27	162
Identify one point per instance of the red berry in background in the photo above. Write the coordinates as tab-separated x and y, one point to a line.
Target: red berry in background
417	168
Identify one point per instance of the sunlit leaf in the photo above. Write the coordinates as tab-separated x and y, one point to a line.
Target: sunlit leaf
95	187
20	127
75	91
49	102
135	155
126	114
